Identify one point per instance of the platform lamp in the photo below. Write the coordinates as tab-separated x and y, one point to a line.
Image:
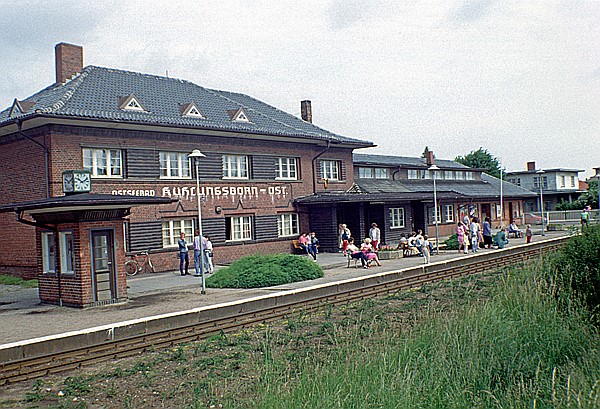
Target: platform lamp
196	155
540	173
433	169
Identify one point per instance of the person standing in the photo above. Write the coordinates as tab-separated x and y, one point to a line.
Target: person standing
426	249
528	233
585	218
345	237
460	236
475	232
197	252
375	236
184	260
208	255
487	233
313	245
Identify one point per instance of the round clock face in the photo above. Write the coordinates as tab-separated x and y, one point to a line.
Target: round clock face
67	182
82	182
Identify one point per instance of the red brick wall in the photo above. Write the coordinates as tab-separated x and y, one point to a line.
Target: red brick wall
77	289
66	153
22	178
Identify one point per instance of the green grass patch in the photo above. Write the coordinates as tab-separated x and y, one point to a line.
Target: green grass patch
12	280
264	271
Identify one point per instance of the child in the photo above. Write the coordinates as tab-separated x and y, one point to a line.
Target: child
528	233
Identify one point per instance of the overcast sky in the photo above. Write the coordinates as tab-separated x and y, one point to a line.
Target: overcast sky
518	78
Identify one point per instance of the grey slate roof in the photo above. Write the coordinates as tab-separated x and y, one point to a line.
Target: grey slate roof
94	94
399	190
403	161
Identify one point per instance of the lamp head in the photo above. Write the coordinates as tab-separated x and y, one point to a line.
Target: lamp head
433	167
196	154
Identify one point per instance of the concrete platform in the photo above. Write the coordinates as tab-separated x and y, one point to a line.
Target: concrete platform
23	317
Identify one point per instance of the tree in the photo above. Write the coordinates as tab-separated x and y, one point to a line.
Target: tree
482	159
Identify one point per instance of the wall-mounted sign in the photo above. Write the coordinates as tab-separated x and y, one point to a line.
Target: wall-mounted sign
209	192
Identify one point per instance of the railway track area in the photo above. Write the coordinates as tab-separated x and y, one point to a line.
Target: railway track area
36	358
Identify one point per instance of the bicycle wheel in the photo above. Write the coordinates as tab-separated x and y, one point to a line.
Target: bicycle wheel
131	268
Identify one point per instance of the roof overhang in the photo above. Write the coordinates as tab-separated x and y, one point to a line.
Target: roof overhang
37	120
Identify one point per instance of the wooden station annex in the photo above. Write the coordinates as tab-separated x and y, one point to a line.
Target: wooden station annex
267	175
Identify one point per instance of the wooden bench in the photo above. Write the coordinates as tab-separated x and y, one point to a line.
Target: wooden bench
408	251
297	248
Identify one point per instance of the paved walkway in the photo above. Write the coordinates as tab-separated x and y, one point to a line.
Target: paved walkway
23	317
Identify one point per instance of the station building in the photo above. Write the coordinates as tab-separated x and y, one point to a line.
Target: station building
266	176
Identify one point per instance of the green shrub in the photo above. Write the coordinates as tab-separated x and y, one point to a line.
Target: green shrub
451	242
576	271
265	271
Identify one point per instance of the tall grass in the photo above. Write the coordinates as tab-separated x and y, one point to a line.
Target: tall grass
517	350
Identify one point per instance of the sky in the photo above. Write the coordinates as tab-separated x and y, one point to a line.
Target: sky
518	78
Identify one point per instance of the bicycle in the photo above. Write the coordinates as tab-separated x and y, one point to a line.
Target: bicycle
139	262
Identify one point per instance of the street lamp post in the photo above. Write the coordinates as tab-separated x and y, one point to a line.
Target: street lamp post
196	155
501	200
433	169
540	173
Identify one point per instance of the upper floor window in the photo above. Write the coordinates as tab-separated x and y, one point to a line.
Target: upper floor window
413	174
469	175
382	173
287	225
515	181
174	165
330	169
536	182
365	173
287	169
460	175
396	217
235	167
238	228
448	174
171	229
103	162
573	181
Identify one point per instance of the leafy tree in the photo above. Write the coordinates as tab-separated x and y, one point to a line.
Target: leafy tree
587	198
482	159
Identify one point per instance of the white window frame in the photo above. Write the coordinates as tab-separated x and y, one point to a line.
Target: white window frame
431	215
536	182
460	175
330	169
397	220
469	176
111	158
382	173
287	225
573	184
235	167
240	228
172	228
287	169
365	173
174	165
413	174
449	213
67	253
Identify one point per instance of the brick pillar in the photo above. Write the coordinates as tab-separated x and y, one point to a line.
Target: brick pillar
69	61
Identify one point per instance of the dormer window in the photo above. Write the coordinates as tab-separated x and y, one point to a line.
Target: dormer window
20	107
191	110
238	115
131	103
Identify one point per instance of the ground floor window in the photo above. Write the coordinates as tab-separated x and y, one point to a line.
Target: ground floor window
431	215
449	213
171	229
287	225
238	228
67	253
396	217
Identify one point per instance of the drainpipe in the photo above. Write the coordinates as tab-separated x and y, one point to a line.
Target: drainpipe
46	156
314	168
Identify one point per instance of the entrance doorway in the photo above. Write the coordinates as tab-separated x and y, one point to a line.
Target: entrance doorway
103	266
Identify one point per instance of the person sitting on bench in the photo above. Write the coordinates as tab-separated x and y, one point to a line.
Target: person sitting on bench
514	229
356	253
303	242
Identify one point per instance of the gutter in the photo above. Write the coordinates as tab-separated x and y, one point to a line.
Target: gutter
46	155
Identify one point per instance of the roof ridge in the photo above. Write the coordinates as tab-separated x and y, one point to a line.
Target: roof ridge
73	83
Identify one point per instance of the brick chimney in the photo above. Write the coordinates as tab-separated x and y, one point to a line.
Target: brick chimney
69	61
306	111
429	158
530	166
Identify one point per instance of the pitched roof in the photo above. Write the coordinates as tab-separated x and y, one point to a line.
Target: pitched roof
403	161
94	94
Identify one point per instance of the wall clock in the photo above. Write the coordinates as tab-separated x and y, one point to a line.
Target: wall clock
77	181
